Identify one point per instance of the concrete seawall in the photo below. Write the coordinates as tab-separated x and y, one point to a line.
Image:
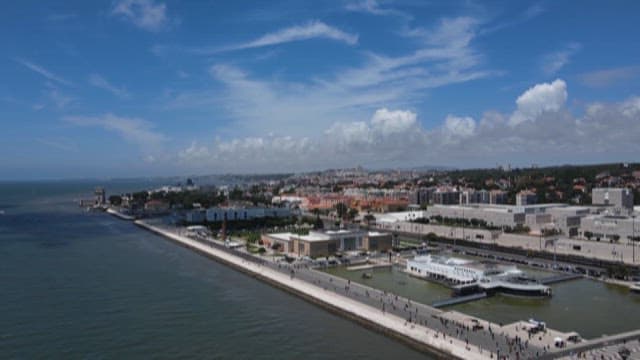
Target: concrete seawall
416	336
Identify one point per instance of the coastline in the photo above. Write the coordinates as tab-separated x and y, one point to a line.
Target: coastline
416	336
120	215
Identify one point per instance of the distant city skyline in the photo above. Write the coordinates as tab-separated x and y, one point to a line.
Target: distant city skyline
132	88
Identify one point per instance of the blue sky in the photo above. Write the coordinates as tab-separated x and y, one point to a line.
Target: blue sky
150	87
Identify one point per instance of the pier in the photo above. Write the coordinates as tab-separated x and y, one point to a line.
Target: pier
459	300
559	278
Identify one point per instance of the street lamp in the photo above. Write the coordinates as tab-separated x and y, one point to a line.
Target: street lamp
633	237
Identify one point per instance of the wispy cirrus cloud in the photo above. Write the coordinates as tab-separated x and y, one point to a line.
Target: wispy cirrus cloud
311	30
552	63
145	14
373	7
44	72
134	130
444	56
99	81
59	143
528	14
608	77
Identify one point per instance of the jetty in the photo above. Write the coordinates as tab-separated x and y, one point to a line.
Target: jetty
559	278
459	300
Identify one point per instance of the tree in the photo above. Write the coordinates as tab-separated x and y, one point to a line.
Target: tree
115	200
341	210
352	213
236	194
140	196
588	235
318	224
369	219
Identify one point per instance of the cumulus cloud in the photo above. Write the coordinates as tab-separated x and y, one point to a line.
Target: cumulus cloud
538	99
461	127
145	14
392	122
391	138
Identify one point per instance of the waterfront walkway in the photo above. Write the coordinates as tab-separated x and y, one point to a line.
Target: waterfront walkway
451	333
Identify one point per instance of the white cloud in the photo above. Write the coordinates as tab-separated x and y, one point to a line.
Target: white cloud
145	14
538	99
607	77
553	62
100	82
393	122
373	7
311	30
44	72
461	127
392	138
262	105
136	131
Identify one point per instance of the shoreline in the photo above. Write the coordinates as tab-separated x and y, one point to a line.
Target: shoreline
416	336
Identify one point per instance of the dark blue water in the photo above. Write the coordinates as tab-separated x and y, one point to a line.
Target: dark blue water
81	285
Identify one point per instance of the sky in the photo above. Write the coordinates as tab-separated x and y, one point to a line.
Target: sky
130	88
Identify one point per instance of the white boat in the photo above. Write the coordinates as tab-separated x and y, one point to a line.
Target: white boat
635	287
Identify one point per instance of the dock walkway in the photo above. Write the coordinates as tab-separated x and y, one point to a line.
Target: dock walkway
458	300
559	278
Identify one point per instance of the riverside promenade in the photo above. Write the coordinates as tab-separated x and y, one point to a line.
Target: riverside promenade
418	336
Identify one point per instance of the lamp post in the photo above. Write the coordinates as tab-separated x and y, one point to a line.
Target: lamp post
633	237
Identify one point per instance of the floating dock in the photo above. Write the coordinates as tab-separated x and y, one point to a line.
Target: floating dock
559	278
459	300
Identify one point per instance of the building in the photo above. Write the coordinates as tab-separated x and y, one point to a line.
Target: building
567	219
100	196
526	197
492	215
421	196
326	243
498	197
476	276
245	213
156	207
609	228
196	216
619	199
446	196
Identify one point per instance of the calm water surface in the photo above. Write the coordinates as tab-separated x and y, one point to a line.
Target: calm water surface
589	307
81	285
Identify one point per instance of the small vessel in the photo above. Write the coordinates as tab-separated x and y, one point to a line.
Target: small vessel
367	275
2	212
635	288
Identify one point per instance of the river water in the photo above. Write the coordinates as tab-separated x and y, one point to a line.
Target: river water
85	285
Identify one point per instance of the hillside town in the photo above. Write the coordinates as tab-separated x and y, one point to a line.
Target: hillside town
597	204
473	233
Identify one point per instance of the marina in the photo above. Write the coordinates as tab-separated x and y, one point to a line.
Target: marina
612	308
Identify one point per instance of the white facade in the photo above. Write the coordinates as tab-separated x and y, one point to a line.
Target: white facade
219	214
620	199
